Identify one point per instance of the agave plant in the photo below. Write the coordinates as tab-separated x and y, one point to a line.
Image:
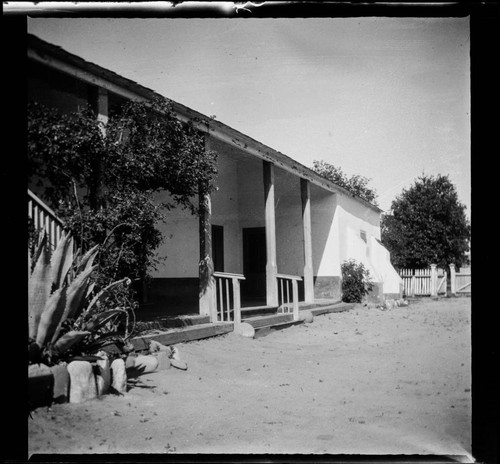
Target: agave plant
63	307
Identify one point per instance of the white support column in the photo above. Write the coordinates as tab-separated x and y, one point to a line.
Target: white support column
102	106
305	194
206	267
271	266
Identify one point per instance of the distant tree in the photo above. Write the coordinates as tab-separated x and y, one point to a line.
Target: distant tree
356	184
427	225
102	180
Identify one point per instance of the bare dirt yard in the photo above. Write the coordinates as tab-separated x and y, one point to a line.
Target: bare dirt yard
365	381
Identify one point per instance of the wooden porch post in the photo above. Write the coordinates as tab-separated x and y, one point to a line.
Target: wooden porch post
271	266
102	106
305	194
206	266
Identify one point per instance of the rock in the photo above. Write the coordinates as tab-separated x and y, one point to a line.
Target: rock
155	347
40	385
60	393
163	360
306	316
245	330
130	361
119	375
146	364
174	352
179	364
82	383
389	304
103	374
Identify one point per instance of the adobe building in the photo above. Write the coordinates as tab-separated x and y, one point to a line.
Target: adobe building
274	225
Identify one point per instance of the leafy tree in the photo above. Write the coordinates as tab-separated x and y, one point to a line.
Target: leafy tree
427	225
101	180
356	184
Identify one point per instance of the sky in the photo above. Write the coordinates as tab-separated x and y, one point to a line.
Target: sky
385	98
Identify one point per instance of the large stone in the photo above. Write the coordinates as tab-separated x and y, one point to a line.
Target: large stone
82	383
60	392
155	347
119	376
146	364
103	374
130	361
245	330
40	385
306	316
177	363
163	360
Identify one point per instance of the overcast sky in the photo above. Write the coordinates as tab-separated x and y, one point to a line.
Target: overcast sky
386	98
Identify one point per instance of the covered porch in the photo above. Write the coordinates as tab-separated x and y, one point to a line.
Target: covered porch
263	243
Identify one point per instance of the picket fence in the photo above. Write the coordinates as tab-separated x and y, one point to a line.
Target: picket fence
434	281
424	282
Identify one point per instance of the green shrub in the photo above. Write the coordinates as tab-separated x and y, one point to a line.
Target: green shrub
356	281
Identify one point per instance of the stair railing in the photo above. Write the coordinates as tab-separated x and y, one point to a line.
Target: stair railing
288	292
228	302
45	219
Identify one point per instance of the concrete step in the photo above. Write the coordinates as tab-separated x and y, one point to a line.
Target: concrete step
334	308
255	311
175	336
318	304
268	329
272	319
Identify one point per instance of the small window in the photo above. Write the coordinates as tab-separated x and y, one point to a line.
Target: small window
362	234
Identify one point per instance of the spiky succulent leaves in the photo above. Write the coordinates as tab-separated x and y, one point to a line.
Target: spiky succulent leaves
51	316
61	260
39	284
99	320
74	296
87	259
68	340
105	292
41	246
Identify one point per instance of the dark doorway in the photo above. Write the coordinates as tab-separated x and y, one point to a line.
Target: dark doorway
218	248
253	288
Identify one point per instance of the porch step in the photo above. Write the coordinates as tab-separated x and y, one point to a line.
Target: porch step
268	329
263	321
334	308
175	336
172	322
255	311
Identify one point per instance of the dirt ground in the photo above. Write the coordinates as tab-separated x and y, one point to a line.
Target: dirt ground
365	381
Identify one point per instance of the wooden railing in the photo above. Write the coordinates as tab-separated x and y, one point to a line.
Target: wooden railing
288	292
44	219
227	301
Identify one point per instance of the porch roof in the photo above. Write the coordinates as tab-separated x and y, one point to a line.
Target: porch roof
58	58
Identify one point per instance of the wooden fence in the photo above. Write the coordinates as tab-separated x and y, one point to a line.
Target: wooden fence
434	281
460	281
424	282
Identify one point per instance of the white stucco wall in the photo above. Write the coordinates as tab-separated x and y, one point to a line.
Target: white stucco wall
181	246
225	212
325	233
353	218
